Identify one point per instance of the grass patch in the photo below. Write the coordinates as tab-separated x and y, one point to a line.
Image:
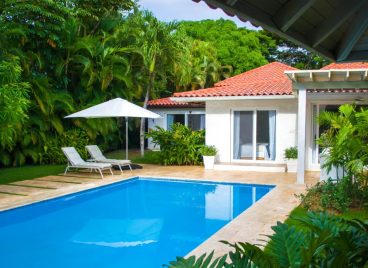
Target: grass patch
8	175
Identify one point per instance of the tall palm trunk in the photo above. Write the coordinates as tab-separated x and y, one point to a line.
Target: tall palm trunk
143	120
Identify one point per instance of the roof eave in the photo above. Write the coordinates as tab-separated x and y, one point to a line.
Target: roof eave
229	98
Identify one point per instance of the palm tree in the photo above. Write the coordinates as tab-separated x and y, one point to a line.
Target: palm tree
157	47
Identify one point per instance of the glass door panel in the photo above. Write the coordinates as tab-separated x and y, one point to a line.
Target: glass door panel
266	132
243	141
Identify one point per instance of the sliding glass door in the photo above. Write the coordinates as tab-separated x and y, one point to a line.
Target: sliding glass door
254	135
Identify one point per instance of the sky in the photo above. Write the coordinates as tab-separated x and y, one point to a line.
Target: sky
169	10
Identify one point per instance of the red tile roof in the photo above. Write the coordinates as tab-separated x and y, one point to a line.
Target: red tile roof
167	102
347	65
266	80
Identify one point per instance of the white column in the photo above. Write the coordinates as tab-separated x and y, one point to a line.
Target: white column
302	106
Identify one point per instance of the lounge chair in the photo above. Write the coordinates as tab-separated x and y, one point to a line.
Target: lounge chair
76	161
97	156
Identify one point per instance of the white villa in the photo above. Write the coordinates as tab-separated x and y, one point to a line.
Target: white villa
253	117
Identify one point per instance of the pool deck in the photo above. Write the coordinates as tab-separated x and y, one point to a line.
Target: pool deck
250	226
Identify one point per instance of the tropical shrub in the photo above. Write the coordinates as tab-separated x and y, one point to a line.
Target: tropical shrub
208	150
291	153
346	139
329	195
314	240
71	138
179	145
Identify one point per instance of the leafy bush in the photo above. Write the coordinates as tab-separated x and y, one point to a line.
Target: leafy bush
291	153
335	196
346	140
314	240
178	146
77	138
208	150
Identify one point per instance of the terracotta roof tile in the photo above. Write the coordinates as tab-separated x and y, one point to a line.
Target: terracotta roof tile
266	80
347	65
167	102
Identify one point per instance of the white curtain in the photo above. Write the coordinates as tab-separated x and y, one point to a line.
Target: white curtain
169	121
202	124
272	134
236	145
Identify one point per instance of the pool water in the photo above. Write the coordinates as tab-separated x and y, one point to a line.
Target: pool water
136	223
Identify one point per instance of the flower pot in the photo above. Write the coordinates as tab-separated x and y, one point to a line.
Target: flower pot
291	165
208	162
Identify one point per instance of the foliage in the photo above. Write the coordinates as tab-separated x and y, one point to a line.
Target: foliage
178	146
291	54
70	55
207	150
14	101
314	240
239	48
291	153
346	140
52	149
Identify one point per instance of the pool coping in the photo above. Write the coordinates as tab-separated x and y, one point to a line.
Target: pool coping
235	230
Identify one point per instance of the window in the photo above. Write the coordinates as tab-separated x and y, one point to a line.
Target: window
254	135
175	118
193	121
196	121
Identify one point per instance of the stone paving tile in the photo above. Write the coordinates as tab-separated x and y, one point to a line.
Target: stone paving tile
10	198
7	188
68	179
38	183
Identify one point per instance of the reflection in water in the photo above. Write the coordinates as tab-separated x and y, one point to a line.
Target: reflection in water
221	205
120	244
119	232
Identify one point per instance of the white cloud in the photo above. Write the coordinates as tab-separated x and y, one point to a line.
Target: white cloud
169	10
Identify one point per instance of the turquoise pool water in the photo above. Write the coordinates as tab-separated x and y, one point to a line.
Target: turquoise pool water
141	222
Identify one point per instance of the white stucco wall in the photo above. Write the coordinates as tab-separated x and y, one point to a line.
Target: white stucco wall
219	123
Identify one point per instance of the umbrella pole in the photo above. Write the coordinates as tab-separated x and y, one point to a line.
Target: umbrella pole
126	138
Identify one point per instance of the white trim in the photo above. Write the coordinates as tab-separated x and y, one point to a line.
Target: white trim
224	98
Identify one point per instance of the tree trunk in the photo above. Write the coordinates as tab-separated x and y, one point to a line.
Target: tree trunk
143	120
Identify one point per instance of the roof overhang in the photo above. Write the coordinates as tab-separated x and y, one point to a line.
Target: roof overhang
232	98
336	29
329	79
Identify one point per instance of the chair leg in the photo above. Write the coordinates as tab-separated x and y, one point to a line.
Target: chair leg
111	172
100	173
121	170
66	170
130	167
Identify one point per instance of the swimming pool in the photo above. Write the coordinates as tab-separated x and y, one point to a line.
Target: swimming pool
140	222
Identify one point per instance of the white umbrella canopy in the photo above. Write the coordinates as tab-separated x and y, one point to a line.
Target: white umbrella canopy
115	108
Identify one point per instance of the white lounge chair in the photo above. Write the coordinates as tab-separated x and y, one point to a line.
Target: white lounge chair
97	156
76	161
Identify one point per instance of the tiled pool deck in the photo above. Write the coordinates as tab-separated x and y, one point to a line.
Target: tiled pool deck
250	226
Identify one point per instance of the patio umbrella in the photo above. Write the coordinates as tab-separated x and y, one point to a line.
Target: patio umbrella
115	108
